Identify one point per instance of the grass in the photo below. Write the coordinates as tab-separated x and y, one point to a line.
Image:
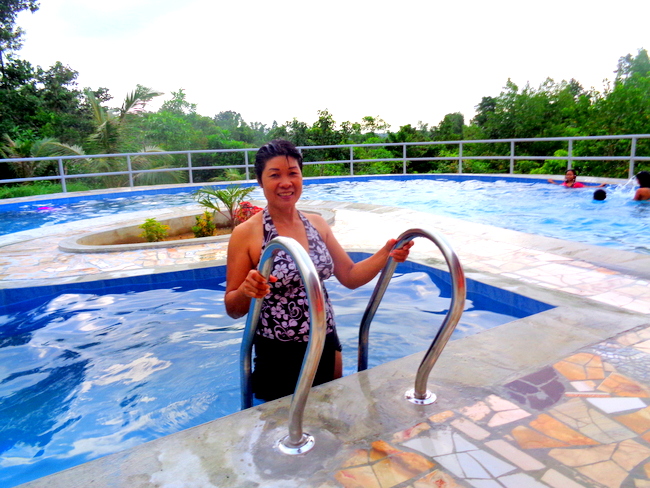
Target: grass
39	188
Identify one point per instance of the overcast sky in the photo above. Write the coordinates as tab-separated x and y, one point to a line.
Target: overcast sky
404	61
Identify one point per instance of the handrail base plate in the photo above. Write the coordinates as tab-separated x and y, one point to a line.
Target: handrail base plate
428	399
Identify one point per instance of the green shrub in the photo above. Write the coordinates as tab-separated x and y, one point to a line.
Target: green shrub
204	225
153	231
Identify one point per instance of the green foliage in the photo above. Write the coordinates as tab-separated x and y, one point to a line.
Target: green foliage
205	226
229	197
40	188
153	231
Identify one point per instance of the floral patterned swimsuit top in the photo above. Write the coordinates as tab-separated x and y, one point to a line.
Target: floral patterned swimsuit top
285	310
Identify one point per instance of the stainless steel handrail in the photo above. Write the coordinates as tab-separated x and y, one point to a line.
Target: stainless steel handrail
419	394
297	442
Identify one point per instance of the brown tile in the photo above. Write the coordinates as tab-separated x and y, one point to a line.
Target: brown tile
620	385
528	438
360	477
358	457
638	421
557	430
409	433
436	479
400	467
442	416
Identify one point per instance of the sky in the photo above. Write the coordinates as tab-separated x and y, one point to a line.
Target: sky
405	61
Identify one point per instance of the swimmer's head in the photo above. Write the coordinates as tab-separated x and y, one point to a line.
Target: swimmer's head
643	177
270	150
571	174
600	194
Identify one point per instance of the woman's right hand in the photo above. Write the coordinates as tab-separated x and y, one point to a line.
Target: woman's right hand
255	285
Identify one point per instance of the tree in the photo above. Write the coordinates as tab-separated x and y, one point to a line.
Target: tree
10	35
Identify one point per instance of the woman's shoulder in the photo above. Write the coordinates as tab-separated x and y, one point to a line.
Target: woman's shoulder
248	228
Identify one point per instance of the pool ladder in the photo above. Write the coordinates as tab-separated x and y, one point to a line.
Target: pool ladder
297	441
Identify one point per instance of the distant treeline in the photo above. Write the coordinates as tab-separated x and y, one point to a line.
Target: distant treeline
44	113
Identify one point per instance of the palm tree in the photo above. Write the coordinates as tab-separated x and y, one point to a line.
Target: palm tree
111	136
29	148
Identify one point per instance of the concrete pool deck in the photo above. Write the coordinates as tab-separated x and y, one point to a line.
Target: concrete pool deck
560	399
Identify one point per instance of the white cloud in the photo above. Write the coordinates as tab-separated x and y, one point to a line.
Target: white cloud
404	62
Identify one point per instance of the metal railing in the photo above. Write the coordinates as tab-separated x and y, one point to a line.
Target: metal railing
297	442
462	149
419	394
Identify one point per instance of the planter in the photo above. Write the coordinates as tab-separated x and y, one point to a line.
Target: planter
128	238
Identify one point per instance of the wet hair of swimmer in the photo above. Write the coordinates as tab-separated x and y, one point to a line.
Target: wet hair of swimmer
643	178
600	194
270	150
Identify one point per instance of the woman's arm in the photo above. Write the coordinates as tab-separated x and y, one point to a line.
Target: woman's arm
243	281
349	273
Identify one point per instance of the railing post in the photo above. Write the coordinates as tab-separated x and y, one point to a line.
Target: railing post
570	155
190	176
460	158
64	188
632	156
129	169
404	159
351	160
512	157
246	163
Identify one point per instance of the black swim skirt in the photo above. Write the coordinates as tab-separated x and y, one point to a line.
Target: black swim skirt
278	363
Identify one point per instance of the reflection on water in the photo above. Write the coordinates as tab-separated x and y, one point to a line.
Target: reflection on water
84	375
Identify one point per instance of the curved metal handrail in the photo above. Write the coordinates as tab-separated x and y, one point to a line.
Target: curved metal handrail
297	441
419	394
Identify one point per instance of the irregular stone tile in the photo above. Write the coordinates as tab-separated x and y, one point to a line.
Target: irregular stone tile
381	449
471	467
502	418
620	385
581	366
587	385
528	438
539	390
493	465
442	416
613	405
640	483
520	480
434	443
646	469
409	433
476	412
583	457
436	479
590	422
357	458
607	473
555	429
629	454
514	455
360	477
643	346
484	483
558	480
499	404
638	421
400	467
470	428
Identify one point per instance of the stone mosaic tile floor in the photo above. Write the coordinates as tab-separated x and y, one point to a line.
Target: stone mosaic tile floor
581	422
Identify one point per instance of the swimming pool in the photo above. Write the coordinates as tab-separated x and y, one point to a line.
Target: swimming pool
516	203
94	368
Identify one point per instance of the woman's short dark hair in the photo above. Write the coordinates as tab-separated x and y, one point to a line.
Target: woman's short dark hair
277	147
644	179
575	173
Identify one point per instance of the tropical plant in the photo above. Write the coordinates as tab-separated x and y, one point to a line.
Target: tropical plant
230	198
205	226
153	231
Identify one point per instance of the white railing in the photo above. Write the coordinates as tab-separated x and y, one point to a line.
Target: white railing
248	156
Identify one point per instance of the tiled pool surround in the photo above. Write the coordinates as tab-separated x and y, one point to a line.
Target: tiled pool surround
557	399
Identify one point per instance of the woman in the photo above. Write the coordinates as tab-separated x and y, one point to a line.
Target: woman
643	193
283	330
570	178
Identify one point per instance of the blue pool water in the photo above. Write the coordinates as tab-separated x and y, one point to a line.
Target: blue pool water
514	203
93	368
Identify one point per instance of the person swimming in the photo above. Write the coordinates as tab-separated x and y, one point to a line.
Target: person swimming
570	180
600	195
643	193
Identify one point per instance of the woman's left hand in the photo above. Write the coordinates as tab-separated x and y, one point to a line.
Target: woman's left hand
402	254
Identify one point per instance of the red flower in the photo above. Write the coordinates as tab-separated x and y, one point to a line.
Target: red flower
245	211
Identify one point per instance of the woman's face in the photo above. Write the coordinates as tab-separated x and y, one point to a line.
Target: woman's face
282	181
569	176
